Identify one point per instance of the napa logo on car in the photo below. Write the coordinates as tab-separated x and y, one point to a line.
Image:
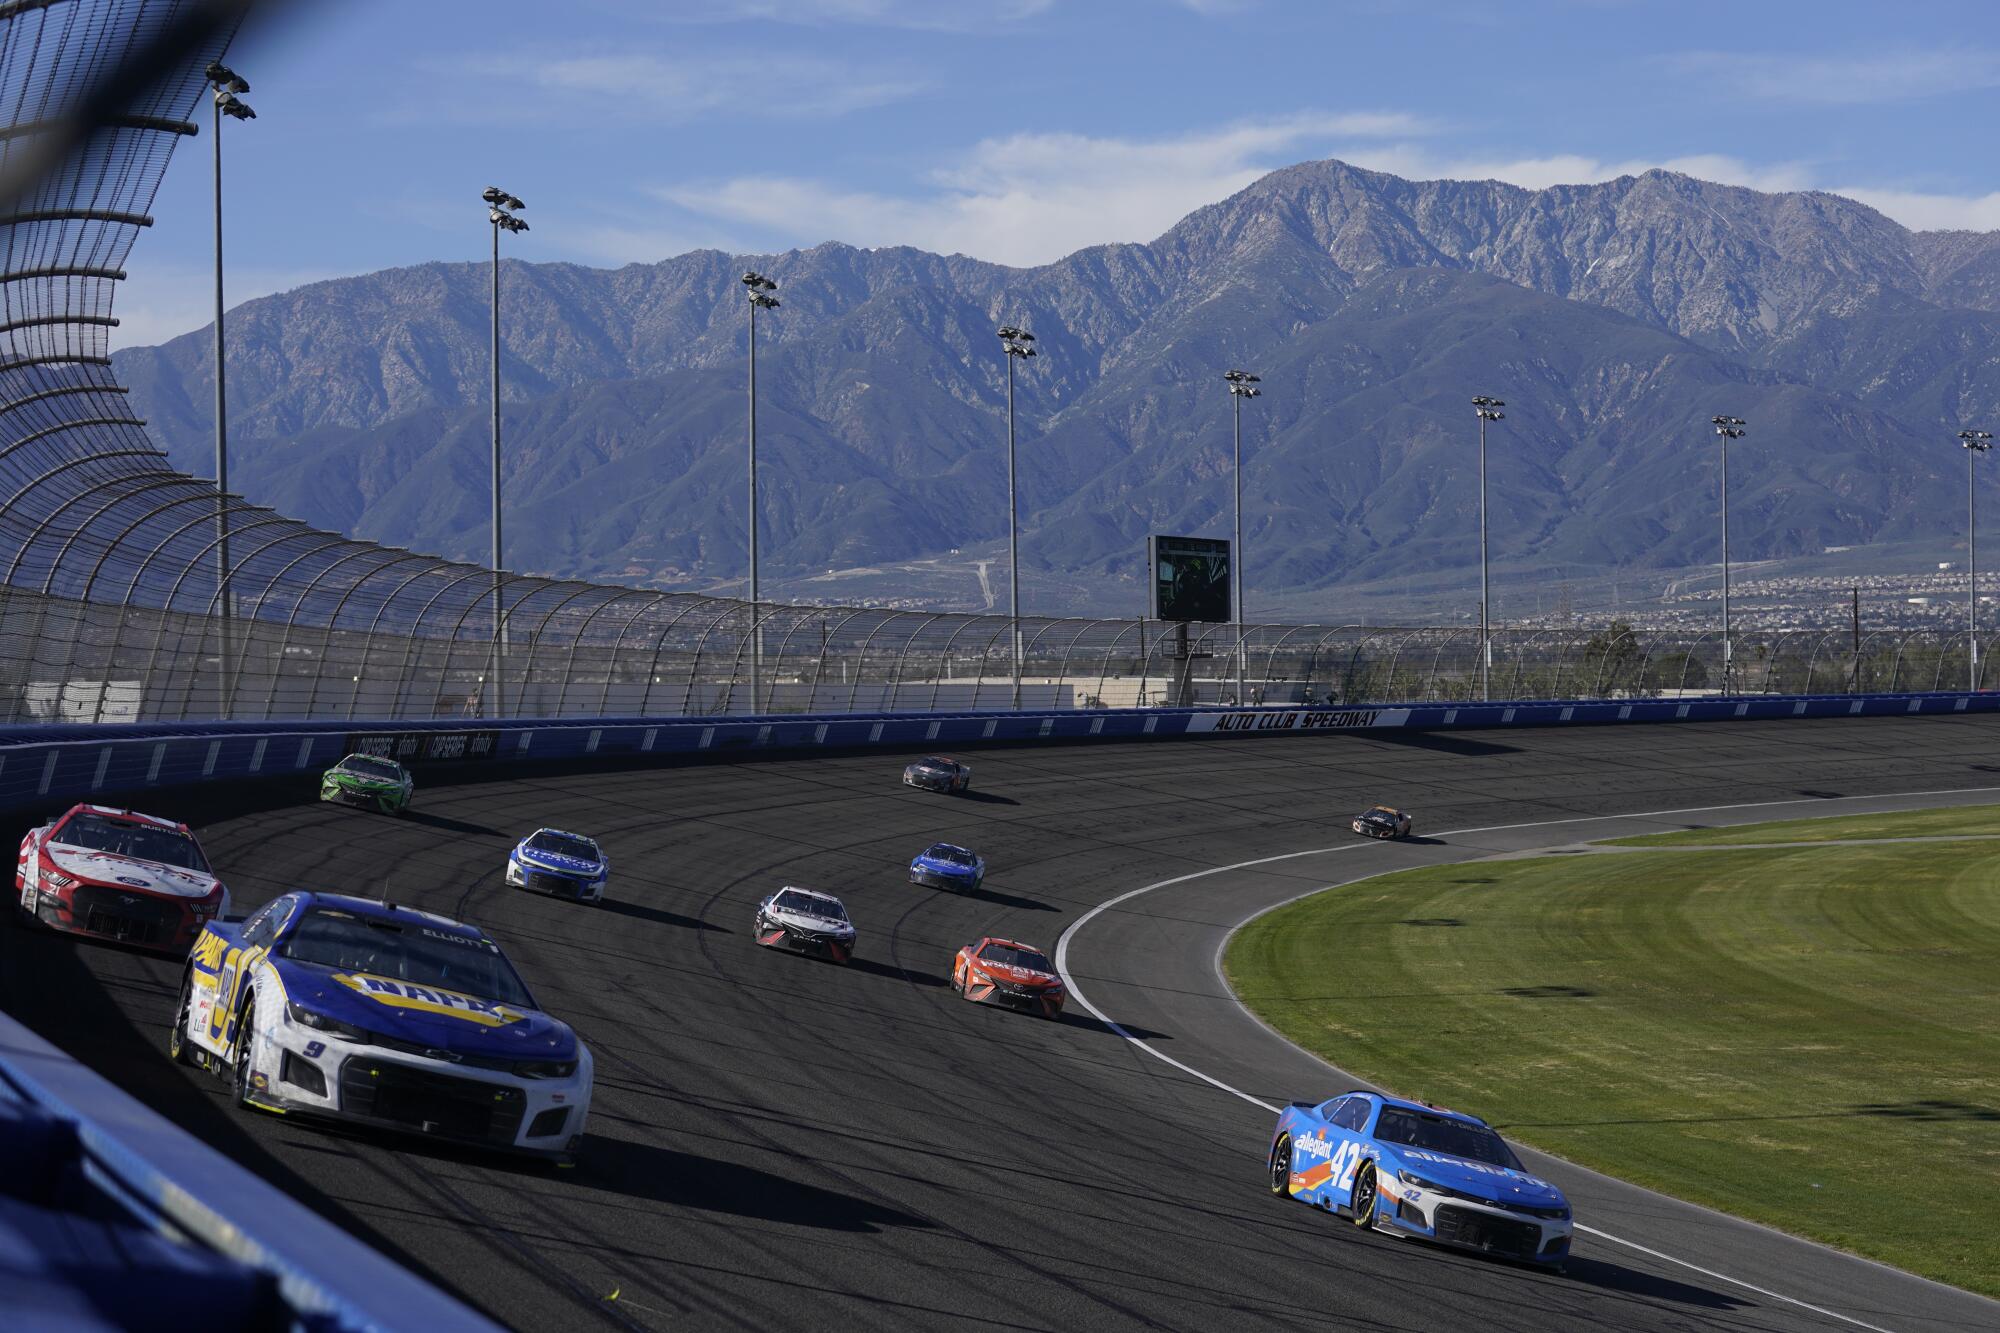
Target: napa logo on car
429	1000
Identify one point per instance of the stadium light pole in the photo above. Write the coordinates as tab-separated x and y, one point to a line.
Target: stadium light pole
1488	410
500	207
1242	384
225	83
758	288
1727	428
1976	442
1019	344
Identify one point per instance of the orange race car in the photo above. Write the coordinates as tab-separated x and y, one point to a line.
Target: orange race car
1003	972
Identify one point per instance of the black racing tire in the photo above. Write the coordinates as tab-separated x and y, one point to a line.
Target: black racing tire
177	1040
1364	1197
1281	1166
239	1069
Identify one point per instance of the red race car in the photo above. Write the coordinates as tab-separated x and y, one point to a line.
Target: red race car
1002	972
118	875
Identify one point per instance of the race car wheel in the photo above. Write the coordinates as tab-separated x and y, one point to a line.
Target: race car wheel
246	1040
1362	1200
177	1042
1281	1166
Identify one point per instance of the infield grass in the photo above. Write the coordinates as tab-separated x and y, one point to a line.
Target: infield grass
1963	821
1808	1037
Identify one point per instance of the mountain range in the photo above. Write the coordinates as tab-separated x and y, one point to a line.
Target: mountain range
1614	318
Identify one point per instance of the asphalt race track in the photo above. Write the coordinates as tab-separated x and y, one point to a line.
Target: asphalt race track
782	1143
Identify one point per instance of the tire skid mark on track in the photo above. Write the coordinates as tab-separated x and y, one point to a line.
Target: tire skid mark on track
1076	994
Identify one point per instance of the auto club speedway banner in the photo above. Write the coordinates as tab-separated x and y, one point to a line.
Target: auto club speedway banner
1299	719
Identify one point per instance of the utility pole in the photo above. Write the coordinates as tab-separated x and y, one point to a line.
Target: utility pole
1976	442
1728	428
498	206
1019	345
758	288
1488	410
226	84
1855	687
1242	384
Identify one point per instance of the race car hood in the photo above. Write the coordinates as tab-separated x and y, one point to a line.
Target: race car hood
426	1016
562	865
1016	976
943	867
347	779
1373	818
824	925
129	872
1479	1179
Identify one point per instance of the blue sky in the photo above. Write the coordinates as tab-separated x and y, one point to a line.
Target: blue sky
1019	130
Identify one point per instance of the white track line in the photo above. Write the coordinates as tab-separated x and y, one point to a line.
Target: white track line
1069	981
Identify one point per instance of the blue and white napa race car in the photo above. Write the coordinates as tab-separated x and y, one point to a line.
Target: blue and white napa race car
361	1010
563	865
1418	1170
945	866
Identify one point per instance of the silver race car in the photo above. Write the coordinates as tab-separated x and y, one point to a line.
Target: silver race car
938	773
806	921
1382	821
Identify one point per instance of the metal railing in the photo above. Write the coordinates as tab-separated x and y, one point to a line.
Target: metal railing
581	650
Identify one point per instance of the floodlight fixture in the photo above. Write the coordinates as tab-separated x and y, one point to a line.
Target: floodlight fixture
225	79
1489	408
1978	440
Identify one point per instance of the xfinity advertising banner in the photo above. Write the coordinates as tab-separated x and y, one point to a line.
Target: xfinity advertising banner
1190	578
1299	719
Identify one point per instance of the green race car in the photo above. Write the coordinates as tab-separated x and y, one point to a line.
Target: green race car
364	780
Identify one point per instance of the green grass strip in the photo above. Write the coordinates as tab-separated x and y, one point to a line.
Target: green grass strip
1806	1037
1957	821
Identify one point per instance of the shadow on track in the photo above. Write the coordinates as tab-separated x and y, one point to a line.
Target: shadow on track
658	915
915	976
1607	1276
1441	742
987	798
661	1175
448	824
1087	1023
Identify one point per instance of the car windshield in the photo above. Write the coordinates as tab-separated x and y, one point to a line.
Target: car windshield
945	764
403	951
957	856
562	844
362	765
811	904
1381	812
1008	955
1453	1138
122	837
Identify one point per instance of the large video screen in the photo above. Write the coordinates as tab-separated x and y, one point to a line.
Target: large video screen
1190	578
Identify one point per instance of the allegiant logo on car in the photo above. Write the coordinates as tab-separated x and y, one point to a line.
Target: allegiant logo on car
428	999
1314	1146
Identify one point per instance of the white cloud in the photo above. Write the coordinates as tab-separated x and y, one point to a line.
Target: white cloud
1889	76
645	88
1933	212
163	301
1031	198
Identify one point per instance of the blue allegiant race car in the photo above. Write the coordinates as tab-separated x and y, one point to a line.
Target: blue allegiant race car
563	865
1418	1170
360	1010
944	866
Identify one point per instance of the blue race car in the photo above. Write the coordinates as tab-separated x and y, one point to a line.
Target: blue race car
353	1009
944	866
1413	1169
562	865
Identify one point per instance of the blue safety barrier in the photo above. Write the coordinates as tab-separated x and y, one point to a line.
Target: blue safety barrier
171	1233
48	766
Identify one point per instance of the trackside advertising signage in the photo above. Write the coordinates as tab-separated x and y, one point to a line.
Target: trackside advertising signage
426	747
1299	719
